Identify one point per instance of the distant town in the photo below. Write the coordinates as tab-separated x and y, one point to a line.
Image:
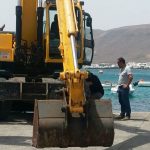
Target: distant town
135	65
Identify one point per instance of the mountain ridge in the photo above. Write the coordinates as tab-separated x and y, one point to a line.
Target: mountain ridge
130	42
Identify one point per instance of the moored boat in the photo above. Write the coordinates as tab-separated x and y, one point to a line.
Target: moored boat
143	83
115	89
108	84
100	71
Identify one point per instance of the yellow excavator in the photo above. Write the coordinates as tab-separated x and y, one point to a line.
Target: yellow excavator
41	64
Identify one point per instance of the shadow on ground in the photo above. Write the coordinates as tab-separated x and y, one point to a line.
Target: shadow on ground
18	118
15	140
140	138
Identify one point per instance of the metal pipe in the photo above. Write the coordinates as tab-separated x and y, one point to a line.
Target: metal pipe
18	26
40	14
74	51
39	3
19	3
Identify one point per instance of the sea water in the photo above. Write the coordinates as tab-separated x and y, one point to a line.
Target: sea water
139	100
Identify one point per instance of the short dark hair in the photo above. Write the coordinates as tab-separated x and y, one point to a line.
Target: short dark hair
90	76
121	59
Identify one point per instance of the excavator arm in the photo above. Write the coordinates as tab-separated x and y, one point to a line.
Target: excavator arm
73	77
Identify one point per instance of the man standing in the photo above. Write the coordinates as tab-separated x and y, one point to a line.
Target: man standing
125	79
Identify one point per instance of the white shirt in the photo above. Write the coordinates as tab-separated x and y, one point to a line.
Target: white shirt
123	76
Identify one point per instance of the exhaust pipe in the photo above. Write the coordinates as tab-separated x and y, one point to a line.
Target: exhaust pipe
19	3
40	14
18	24
39	3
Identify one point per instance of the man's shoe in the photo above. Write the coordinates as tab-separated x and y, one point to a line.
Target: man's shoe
119	117
125	118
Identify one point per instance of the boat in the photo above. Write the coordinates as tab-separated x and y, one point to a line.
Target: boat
100	71
108	85
115	89
143	83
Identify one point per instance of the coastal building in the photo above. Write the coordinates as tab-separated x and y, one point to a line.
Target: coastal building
134	65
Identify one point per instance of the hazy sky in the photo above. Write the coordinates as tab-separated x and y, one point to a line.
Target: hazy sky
106	14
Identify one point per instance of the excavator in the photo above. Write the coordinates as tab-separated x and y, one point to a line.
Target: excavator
43	68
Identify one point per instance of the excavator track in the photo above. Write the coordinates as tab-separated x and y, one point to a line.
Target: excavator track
53	127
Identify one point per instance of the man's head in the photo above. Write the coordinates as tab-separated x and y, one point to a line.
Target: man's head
121	62
90	77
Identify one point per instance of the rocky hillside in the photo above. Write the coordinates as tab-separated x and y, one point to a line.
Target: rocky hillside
131	42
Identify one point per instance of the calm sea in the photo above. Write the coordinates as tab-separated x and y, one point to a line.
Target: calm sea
140	99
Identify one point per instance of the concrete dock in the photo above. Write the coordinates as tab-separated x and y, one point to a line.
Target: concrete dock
132	134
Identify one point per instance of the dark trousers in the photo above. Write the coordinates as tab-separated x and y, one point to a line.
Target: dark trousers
123	95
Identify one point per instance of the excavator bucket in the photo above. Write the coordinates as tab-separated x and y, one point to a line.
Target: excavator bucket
53	127
48	124
101	123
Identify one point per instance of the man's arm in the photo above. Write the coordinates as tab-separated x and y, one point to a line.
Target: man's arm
130	78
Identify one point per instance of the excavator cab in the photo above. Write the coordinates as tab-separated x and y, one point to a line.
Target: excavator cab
51	38
85	46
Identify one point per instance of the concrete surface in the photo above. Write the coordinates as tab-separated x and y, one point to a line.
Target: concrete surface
129	135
